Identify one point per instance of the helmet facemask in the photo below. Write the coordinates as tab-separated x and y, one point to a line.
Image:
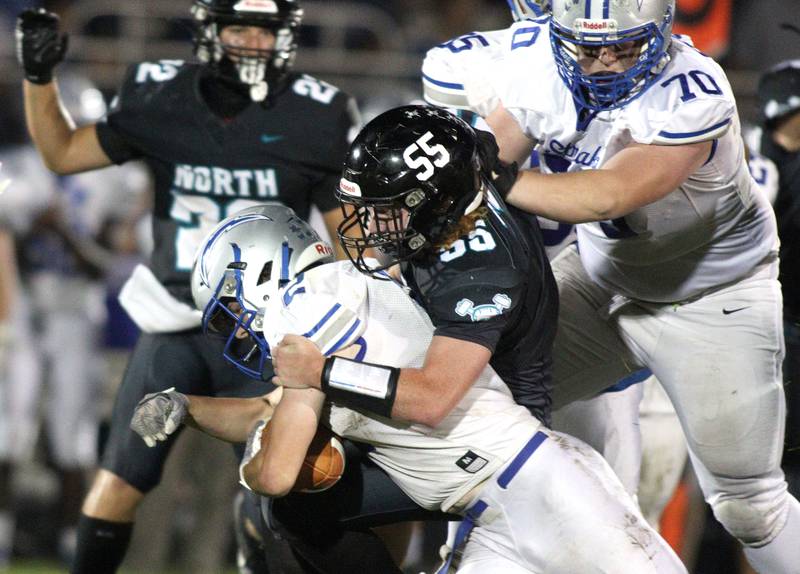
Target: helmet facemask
239	323
384	226
262	70
646	45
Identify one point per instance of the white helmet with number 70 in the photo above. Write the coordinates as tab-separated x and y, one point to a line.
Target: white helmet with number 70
639	31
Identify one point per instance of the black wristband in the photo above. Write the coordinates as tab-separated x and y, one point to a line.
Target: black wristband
363	386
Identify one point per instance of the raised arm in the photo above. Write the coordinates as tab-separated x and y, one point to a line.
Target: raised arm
64	148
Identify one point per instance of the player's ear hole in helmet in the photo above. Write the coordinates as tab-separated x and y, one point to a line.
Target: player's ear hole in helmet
245	56
409	178
243	263
633	36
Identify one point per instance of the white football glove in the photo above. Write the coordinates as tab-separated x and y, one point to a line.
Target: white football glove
159	414
251	449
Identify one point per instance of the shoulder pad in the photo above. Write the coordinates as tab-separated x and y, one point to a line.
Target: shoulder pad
326	304
477	296
692	102
454	73
156	72
144	78
315	89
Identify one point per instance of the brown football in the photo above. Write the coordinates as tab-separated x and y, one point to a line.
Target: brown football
323	465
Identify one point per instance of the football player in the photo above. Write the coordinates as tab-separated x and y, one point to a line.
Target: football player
779	101
220	135
456	75
678	251
262	274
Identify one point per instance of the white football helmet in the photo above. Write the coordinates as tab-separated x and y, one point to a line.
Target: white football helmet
522	9
594	23
240	265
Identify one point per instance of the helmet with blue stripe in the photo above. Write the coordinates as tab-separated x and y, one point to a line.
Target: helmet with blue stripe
640	30
522	9
240	265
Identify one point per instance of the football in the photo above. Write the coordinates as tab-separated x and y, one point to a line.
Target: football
323	465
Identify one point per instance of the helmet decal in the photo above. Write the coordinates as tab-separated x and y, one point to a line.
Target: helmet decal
219	232
265	6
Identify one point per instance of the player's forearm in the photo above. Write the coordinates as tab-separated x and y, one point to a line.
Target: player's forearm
8	274
570	197
64	148
49	129
228	419
284	443
424	398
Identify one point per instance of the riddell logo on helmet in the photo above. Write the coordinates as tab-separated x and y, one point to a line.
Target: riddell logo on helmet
595	26
349	187
266	6
323	249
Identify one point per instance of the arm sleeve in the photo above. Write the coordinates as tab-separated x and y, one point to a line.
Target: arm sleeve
696	121
479	312
114	144
111	138
486	333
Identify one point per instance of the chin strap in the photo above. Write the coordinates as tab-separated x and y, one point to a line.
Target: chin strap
252	72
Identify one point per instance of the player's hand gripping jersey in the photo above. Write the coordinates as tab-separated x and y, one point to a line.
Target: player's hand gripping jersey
207	168
714	229
377	322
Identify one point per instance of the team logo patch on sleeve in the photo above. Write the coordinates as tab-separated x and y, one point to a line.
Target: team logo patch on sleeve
466	307
471	462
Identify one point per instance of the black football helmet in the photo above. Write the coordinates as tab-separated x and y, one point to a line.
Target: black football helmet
262	70
409	177
779	92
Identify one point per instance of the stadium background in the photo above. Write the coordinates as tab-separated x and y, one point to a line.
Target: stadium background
372	49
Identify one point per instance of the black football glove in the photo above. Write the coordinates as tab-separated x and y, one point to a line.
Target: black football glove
40	47
501	174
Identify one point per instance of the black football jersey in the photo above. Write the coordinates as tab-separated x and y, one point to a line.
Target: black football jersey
787	210
495	287
206	168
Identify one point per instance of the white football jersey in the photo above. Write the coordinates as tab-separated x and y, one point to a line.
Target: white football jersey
348	313
714	229
454	73
458	75
764	171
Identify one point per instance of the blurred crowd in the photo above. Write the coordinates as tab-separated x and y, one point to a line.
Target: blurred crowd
61	356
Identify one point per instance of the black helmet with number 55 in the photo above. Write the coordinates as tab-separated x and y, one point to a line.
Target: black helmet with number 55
409	177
